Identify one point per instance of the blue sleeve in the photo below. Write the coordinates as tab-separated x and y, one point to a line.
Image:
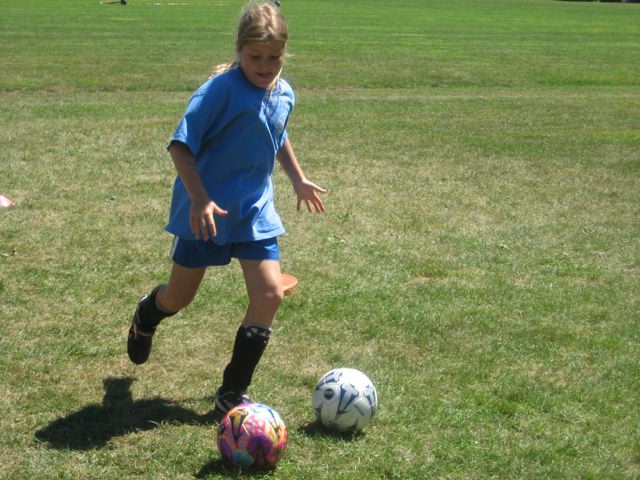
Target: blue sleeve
285	135
291	101
200	118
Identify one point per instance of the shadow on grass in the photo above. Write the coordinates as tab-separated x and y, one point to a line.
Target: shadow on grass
119	414
218	466
314	429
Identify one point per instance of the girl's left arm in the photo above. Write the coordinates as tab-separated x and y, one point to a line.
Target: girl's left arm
306	191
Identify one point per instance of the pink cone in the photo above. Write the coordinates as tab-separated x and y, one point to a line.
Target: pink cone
5	202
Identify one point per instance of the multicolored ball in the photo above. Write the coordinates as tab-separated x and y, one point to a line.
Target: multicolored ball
252	435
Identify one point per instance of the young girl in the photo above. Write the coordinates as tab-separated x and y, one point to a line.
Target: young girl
224	151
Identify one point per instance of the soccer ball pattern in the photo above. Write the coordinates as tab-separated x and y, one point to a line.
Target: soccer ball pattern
252	435
344	400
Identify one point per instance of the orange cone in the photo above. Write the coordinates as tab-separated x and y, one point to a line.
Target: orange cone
288	282
4	201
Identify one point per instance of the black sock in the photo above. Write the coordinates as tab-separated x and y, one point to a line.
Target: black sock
149	313
248	348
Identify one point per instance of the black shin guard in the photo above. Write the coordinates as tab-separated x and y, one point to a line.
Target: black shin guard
149	313
250	343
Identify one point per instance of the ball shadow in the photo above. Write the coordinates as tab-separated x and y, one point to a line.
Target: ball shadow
218	466
315	429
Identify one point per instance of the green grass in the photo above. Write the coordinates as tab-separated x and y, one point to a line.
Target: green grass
479	257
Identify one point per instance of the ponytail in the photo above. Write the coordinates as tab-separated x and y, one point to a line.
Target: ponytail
223	67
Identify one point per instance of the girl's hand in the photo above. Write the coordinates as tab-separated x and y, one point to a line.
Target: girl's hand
201	219
307	192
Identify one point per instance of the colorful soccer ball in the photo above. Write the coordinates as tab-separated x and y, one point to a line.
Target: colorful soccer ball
344	400
252	435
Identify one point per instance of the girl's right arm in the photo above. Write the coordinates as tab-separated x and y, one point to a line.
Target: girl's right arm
203	208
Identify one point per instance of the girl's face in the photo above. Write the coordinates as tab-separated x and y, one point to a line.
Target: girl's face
261	63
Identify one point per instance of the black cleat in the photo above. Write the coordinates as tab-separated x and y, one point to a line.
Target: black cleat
226	401
139	340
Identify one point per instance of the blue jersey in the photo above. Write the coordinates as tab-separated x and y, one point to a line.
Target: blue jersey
234	130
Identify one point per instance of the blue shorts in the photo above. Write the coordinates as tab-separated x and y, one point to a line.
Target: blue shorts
198	254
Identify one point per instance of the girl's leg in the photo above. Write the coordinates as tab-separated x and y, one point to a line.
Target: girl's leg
181	289
164	301
264	287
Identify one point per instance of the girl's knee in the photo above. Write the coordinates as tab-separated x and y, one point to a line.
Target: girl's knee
274	297
171	301
269	299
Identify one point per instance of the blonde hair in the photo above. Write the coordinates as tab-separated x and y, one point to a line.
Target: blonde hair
260	22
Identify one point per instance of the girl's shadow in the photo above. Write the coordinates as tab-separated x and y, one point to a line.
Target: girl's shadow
94	425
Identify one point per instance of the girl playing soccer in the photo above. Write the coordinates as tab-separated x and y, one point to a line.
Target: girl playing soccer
224	150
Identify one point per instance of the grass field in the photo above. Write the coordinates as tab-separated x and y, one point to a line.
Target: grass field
479	258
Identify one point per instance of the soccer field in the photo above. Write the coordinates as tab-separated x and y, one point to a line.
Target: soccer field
479	258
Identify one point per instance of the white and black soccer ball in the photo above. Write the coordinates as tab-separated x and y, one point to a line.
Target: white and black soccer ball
344	400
